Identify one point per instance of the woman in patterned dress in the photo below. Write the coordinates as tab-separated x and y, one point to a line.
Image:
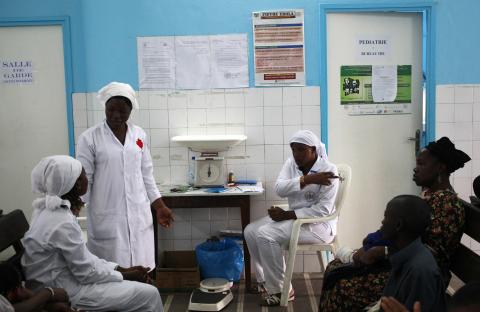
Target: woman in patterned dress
365	286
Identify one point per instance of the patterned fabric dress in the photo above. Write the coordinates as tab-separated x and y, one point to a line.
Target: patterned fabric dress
442	237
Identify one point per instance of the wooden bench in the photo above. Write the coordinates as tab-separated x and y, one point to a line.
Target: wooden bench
465	262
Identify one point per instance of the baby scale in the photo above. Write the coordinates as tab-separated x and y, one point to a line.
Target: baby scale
209	167
209	170
214	294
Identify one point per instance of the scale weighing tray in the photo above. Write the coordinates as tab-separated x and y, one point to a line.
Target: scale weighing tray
213	295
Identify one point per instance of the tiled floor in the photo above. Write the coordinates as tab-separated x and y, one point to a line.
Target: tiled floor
307	293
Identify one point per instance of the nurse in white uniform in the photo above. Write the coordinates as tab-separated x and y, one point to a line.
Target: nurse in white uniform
122	188
310	183
56	255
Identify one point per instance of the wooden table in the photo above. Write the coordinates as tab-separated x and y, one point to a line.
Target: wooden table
201	199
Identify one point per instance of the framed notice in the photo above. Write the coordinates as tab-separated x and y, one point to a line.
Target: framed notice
279	53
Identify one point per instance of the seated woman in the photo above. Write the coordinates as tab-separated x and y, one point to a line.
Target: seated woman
359	288
56	254
15	297
306	180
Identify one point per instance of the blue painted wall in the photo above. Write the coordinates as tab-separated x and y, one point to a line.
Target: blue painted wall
104	32
31	9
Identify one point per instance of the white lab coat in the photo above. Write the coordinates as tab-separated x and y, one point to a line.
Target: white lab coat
266	238
56	255
121	189
313	200
5	305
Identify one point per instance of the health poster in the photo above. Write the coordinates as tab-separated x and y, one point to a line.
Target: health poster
278	45
376	89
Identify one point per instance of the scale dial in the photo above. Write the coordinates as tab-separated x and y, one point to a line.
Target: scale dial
209	172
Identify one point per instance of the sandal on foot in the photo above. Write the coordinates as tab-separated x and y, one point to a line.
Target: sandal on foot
274	299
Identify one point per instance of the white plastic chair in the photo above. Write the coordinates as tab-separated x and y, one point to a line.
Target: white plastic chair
345	172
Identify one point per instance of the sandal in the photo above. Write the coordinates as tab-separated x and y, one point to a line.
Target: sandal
274	299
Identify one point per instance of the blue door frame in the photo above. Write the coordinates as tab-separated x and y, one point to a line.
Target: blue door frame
64	22
428	12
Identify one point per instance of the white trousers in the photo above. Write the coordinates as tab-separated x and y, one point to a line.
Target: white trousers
266	240
118	296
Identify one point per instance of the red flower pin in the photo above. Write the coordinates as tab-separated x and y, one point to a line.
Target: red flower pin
140	143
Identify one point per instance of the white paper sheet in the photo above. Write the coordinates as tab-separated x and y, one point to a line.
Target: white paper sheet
384	83
193	62
156	63
229	61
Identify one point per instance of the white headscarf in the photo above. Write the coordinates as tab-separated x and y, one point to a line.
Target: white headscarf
117	89
307	137
53	177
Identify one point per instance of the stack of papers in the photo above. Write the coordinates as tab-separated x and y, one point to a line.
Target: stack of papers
251	188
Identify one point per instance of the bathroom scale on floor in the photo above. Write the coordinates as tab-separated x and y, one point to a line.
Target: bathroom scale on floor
214	294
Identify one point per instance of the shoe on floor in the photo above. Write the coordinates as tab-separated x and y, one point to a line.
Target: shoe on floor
274	299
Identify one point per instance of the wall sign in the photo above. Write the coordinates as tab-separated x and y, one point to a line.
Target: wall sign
278	45
370	48
376	89
17	71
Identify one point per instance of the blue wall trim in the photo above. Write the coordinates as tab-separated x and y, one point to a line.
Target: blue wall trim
430	119
427	8
63	21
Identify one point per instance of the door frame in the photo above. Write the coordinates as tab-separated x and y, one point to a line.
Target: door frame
427	9
64	22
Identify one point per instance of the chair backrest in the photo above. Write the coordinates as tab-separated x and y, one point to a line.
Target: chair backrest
465	262
345	173
13	227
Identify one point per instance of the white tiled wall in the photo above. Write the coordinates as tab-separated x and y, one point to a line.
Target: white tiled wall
458	117
268	116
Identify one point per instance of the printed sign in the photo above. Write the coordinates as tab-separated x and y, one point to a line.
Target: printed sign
17	72
373	48
279	52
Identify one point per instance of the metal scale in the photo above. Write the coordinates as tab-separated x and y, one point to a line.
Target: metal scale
209	170
209	167
214	294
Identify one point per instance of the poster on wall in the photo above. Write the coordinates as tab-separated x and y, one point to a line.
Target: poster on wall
192	55
193	62
278	44
376	89
16	71
229	65
156	62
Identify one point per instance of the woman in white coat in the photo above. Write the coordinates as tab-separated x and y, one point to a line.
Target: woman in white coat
309	181
56	255
119	168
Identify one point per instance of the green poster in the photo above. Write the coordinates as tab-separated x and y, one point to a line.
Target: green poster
356	85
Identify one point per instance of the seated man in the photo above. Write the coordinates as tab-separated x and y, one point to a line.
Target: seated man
309	182
415	275
56	254
15	297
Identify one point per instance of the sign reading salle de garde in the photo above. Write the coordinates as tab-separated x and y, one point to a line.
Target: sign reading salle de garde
16	71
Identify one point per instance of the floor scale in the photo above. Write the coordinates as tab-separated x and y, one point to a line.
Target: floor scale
214	294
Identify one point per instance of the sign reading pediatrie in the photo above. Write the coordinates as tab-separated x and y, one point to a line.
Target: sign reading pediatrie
16	71
369	48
